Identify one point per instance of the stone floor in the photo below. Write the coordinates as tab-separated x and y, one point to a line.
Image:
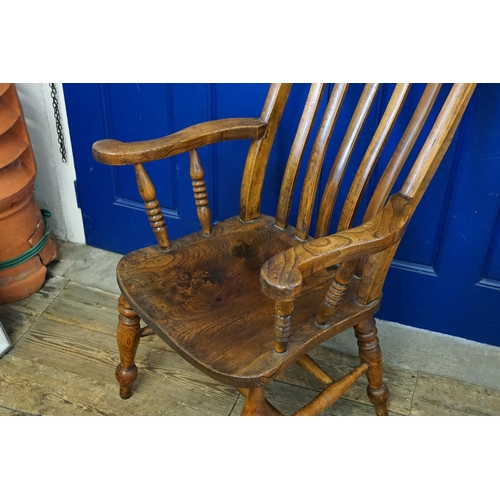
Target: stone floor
64	355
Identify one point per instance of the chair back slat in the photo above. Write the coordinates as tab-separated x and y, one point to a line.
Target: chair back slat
316	160
421	172
296	153
437	142
403	149
260	149
372	154
342	159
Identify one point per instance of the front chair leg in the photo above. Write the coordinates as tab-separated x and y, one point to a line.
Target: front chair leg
370	353
128	335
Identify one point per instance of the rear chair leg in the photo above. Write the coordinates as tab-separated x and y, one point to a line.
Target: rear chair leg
128	335
370	353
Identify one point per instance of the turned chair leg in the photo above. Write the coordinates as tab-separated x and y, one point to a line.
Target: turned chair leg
257	404
370	353
128	335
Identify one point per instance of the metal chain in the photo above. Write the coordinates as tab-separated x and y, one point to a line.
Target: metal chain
57	116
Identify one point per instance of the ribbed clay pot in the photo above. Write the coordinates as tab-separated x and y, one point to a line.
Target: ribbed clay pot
21	222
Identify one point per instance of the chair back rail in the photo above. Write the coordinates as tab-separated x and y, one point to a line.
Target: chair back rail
258	155
316	160
296	153
343	156
403	149
372	154
437	142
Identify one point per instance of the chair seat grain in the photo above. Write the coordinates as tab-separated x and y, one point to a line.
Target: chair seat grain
204	299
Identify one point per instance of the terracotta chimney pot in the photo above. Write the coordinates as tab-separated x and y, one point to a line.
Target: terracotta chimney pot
21	223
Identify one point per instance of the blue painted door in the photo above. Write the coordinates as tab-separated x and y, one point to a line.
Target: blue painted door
446	275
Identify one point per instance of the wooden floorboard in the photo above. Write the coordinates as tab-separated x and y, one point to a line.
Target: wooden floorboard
39	389
442	396
18	317
65	354
85	307
9	412
93	355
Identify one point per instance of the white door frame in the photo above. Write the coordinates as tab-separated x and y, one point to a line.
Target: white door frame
55	180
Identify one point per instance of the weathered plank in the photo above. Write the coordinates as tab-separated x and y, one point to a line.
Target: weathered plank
19	316
88	265
39	389
436	395
9	412
92	309
93	355
87	307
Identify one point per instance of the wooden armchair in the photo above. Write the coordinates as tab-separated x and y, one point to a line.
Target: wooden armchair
246	298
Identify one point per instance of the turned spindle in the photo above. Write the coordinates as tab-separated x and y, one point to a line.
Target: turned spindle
200	191
310	366
153	209
336	291
282	325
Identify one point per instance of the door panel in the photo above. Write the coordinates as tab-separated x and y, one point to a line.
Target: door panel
446	275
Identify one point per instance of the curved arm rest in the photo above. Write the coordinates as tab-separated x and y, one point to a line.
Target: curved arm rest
281	276
112	152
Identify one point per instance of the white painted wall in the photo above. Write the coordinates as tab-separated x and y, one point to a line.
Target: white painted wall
54	184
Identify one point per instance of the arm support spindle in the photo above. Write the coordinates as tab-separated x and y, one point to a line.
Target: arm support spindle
200	191
153	209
